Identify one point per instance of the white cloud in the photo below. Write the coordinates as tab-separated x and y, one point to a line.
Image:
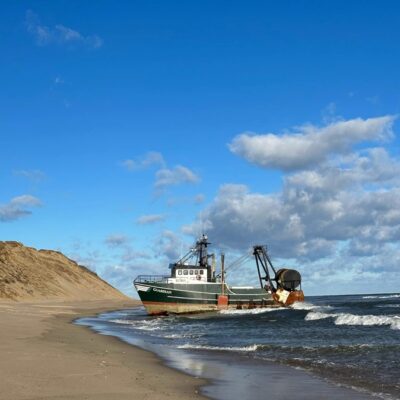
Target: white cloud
18	207
164	176
314	211
309	227
150	219
152	158
174	176
59	34
310	145
338	219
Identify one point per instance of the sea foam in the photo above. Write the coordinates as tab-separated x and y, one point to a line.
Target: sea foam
145	325
351	319
251	311
189	346
315	315
389	296
303	305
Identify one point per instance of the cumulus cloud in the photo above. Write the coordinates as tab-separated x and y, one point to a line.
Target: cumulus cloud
152	158
340	216
306	220
150	219
164	176
174	176
310	145
58	34
332	237
18	207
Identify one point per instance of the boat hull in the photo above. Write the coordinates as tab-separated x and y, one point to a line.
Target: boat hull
166	298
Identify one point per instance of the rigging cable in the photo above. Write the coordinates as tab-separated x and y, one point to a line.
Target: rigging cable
237	263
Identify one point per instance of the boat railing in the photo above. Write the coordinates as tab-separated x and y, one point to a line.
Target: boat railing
151	279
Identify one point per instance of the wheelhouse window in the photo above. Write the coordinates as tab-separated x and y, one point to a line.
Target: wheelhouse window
185	272
196	272
191	272
179	272
201	271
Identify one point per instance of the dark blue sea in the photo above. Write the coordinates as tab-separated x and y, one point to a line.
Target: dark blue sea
350	342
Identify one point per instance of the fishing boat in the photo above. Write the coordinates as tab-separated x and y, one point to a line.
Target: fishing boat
194	285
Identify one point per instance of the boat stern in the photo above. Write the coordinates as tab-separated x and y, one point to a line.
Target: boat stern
287	298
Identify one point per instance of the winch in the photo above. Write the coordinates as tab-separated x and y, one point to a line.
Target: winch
285	286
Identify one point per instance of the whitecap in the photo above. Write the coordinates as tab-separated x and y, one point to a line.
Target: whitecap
389	296
250	311
351	319
122	321
144	325
303	305
368	320
315	315
189	346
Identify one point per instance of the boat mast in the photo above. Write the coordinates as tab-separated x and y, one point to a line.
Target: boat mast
202	251
222	274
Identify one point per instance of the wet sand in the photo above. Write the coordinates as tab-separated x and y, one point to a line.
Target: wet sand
234	377
44	356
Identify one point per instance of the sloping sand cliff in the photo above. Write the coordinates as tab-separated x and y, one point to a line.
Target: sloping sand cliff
27	274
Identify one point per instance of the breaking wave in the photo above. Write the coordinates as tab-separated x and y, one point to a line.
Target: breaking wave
189	346
389	296
145	325
303	306
351	319
368	320
349	340
315	315
308	306
251	311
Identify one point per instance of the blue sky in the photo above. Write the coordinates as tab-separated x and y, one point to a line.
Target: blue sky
127	128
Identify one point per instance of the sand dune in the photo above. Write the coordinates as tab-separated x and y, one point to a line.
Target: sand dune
27	274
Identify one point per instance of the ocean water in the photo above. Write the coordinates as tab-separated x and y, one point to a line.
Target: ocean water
351	341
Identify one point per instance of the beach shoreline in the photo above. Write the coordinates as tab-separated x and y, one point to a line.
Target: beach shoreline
45	355
227	375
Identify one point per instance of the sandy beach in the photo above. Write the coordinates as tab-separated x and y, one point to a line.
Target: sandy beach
45	356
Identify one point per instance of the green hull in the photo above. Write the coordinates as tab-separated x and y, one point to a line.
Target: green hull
164	298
